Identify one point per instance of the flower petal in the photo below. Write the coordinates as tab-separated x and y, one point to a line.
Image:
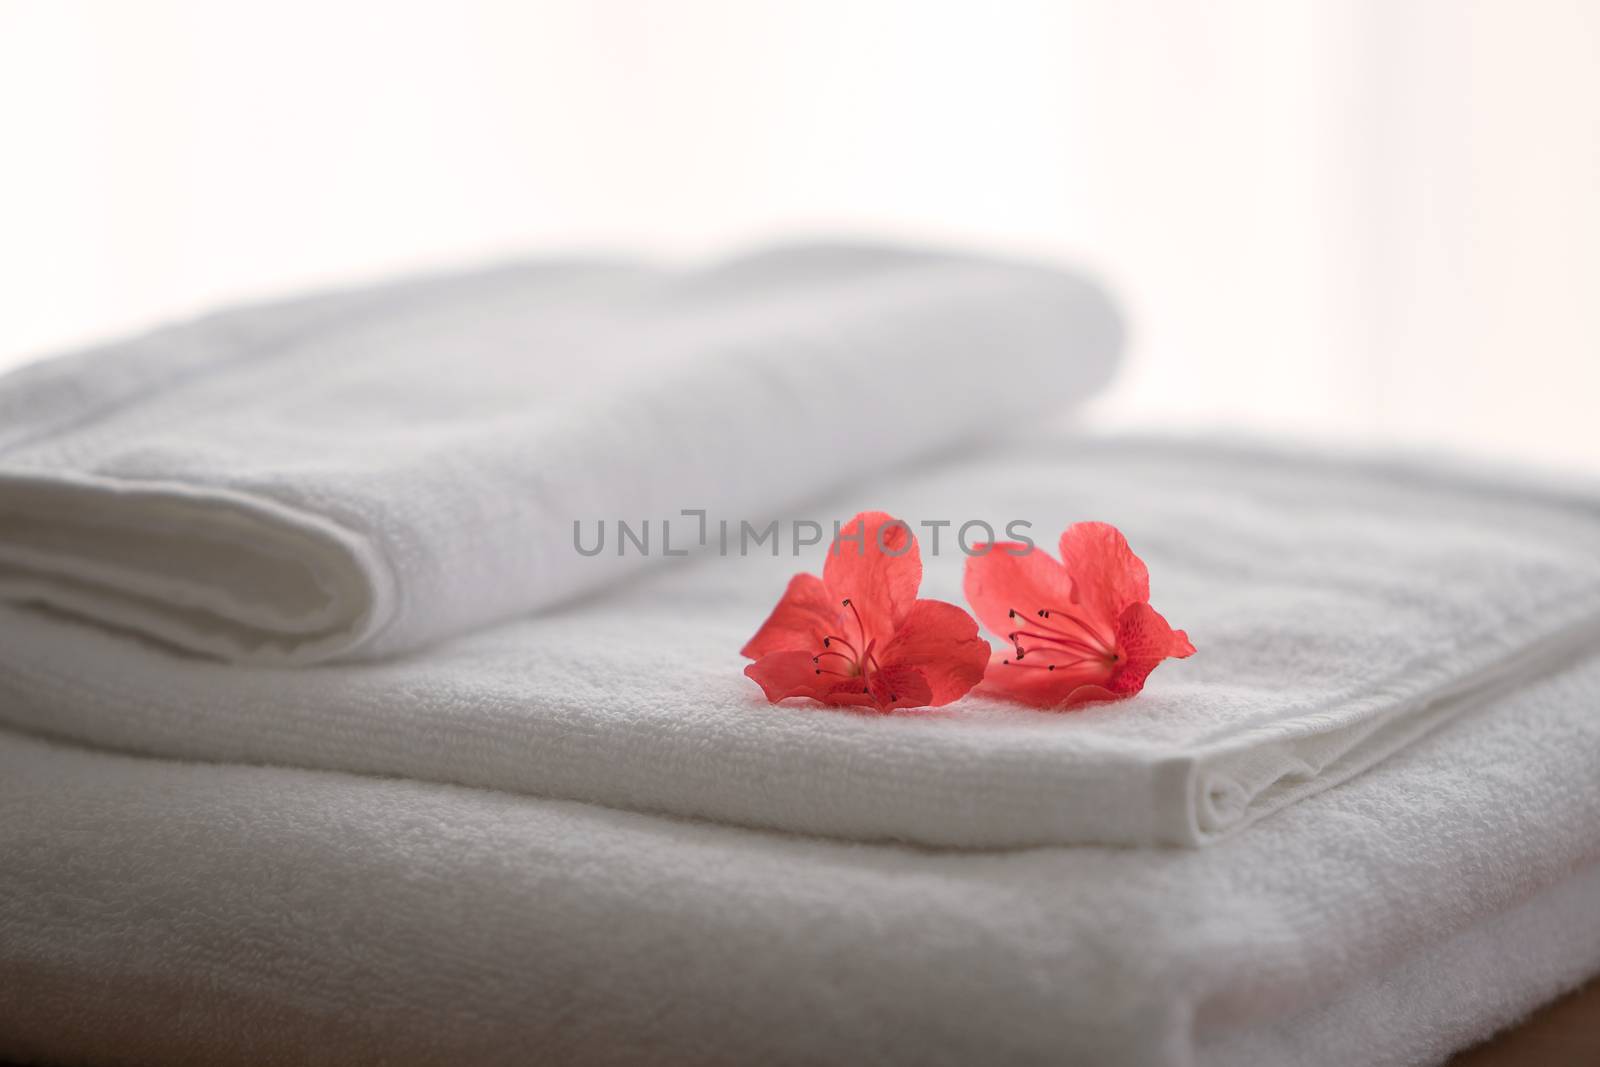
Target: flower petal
1039	687
875	563
787	674
900	687
849	693
998	582
1106	575
941	641
805	613
1144	639
1088	694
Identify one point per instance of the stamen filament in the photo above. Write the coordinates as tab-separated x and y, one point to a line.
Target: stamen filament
1051	639
826	641
1095	636
860	626
1074	657
1028	666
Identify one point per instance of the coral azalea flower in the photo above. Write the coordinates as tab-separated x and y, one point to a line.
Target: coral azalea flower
1082	630
858	636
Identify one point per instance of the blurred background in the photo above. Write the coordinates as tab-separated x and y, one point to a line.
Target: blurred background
1375	221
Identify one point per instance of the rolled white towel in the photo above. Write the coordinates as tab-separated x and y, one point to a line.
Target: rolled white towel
358	474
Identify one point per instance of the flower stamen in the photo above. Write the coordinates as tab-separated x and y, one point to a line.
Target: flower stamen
1094	635
826	641
1048	640
1047	637
860	626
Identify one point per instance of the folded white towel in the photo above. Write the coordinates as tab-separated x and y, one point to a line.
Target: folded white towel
1340	610
303	917
364	473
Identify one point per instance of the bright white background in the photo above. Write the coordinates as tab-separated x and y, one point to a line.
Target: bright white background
1377	219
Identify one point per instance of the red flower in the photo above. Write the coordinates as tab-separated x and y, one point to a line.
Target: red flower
1082	630
859	636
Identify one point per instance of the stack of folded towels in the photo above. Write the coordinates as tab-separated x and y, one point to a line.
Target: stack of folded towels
280	582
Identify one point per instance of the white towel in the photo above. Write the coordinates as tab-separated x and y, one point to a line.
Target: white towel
364	473
1340	609
163	913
